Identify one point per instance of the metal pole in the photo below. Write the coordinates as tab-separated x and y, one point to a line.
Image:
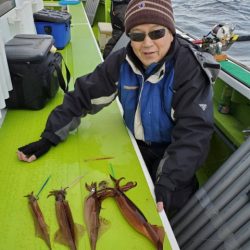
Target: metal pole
227	229
242	236
211	207
246	246
226	213
213	180
205	196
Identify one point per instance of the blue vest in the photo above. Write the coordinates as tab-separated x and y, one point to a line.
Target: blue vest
154	99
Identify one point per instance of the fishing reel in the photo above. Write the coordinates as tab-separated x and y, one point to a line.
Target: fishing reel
223	32
219	39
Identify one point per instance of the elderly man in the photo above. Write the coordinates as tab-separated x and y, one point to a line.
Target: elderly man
165	94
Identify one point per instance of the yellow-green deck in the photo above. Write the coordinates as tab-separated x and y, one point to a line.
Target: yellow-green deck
98	136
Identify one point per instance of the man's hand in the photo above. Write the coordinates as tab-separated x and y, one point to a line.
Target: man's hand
159	206
34	150
163	197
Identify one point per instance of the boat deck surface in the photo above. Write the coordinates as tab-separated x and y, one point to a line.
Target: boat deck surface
101	135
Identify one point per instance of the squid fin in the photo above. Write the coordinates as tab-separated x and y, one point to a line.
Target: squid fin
104	226
79	231
59	237
39	233
38	230
160	231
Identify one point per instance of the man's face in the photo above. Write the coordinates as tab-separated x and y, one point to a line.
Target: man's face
150	50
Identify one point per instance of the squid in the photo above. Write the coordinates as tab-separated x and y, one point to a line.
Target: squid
92	207
68	230
40	225
135	217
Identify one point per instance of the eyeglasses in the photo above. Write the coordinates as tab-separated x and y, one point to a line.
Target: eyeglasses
154	35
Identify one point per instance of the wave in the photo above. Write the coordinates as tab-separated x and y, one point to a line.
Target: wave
199	17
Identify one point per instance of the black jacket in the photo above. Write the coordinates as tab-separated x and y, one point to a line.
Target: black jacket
192	108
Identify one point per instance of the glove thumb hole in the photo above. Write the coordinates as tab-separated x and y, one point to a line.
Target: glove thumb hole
27	150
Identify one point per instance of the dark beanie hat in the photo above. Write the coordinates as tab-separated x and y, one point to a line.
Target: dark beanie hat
149	12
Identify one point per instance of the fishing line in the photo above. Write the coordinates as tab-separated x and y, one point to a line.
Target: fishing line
43	186
75	181
112	171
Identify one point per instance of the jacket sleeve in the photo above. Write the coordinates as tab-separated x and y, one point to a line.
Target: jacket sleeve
193	116
91	93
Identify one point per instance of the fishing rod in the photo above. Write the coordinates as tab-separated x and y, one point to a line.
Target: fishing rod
220	39
223	33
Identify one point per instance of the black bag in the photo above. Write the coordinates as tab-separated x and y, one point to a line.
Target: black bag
35	71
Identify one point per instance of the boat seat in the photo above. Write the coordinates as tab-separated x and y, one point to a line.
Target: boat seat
104	33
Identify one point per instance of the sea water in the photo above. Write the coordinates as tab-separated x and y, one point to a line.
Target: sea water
198	17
